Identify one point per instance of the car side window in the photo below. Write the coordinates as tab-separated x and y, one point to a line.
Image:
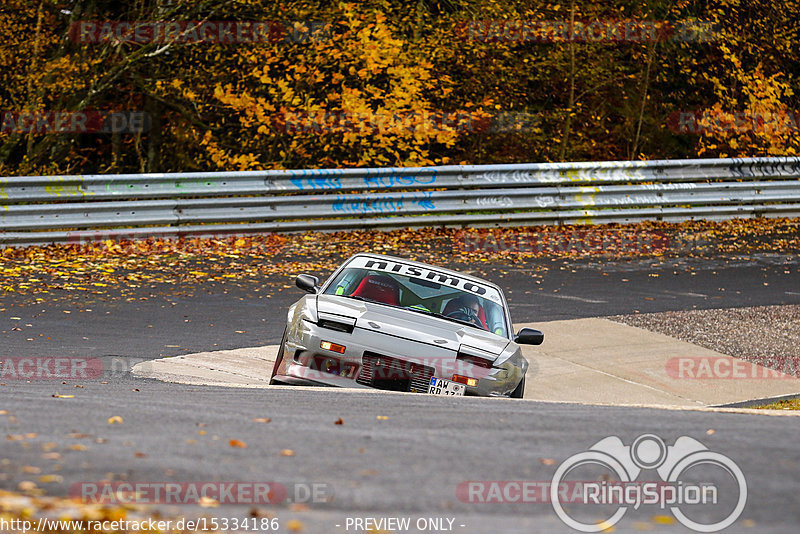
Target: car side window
495	320
347	282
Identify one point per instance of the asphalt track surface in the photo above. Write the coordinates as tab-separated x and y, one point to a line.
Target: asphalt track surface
410	461
170	320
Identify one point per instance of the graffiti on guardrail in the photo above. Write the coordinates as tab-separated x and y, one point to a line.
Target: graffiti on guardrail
384	204
495	202
376	181
505	177
65	186
545	201
390	180
667	187
580	193
316	182
591	199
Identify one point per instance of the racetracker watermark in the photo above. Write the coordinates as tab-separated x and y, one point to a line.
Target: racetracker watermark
193	32
462	122
562	242
74	122
204	492
706	122
584	31
65	367
728	367
649	452
387	370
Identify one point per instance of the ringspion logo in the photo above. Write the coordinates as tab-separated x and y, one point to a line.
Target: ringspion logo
677	490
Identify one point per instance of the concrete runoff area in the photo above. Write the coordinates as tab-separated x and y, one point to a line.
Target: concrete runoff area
598	361
589	361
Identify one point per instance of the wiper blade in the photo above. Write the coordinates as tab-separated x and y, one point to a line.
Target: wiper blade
445	317
426	312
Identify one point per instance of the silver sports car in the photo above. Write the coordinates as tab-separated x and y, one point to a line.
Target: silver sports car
393	324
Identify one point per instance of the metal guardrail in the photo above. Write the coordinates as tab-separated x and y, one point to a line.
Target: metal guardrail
48	209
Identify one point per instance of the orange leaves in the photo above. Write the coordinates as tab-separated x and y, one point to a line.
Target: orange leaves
294	525
363	67
123	269
21	437
96	267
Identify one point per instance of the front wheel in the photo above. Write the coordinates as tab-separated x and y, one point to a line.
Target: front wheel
278	360
519	392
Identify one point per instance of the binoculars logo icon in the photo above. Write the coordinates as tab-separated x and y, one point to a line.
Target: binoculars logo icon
647	452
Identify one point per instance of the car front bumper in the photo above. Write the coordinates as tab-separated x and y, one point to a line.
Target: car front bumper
372	359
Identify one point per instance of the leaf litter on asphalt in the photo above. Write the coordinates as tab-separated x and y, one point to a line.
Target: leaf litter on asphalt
118	269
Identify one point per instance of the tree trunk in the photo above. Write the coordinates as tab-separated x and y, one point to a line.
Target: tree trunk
571	102
635	147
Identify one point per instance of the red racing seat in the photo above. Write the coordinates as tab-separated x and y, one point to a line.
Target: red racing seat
379	288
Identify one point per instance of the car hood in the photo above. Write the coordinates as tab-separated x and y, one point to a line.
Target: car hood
408	324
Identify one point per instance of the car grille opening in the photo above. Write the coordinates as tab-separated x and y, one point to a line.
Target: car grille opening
336	325
392	374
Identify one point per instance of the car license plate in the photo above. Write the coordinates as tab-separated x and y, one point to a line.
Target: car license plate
440	386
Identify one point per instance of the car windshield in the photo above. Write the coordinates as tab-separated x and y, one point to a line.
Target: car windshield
424	290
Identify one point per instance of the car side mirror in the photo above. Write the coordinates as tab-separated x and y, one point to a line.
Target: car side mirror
529	336
307	283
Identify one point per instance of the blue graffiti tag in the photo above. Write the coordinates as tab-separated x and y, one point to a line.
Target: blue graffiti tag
317	182
382	204
391	180
426	202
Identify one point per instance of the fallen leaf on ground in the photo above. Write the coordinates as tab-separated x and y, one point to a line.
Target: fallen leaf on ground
207	502
663	520
294	525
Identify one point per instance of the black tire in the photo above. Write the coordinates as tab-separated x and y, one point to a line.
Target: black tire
278	360
519	392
